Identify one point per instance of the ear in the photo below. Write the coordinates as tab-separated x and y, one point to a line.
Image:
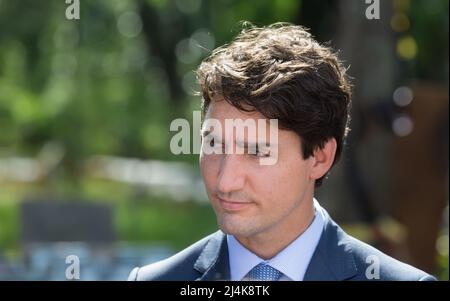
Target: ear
323	159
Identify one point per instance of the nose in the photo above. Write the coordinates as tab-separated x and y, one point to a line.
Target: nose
231	174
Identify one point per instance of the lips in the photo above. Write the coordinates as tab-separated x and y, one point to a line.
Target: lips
233	206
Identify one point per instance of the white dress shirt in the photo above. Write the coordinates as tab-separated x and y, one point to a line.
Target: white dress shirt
292	261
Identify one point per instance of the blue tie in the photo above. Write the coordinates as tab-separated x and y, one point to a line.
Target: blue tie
263	272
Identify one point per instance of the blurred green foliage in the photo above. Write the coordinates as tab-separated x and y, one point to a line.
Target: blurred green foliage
442	270
9	230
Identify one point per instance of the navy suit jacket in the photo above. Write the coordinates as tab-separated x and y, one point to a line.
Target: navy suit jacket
338	256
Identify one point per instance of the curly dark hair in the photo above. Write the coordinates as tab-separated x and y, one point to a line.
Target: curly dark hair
283	73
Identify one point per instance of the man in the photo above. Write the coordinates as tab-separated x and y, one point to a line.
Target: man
271	227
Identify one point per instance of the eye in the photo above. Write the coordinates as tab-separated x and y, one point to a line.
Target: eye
211	142
261	154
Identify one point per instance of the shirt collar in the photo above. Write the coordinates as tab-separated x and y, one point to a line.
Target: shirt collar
292	261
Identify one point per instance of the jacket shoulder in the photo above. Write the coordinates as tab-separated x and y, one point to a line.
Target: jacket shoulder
177	267
372	264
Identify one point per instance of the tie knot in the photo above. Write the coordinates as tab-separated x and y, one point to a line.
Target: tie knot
263	272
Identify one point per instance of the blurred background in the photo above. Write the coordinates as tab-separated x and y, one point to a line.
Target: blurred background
85	109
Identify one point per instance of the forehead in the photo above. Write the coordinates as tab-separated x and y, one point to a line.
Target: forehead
220	109
226	114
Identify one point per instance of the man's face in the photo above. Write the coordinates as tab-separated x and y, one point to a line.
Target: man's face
250	198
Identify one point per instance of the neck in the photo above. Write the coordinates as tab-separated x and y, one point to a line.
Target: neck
270	242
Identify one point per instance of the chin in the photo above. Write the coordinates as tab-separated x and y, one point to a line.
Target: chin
236	228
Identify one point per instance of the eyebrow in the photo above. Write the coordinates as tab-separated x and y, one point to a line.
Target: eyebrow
247	144
207	133
241	143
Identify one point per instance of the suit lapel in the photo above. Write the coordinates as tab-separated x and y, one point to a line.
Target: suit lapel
213	261
333	258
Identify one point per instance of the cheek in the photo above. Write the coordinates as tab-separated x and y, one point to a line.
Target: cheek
209	169
264	184
283	182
